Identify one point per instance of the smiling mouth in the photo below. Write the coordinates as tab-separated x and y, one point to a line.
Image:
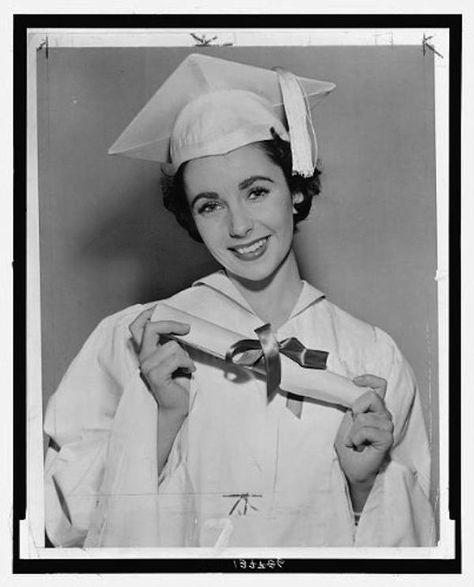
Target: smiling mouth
252	250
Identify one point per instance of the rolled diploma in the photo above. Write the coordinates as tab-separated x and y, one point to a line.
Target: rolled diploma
206	336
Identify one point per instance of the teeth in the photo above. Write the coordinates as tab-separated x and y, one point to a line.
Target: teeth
251	248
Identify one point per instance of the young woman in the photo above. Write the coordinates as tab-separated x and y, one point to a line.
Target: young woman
160	445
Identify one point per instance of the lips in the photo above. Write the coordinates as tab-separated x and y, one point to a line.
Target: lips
252	250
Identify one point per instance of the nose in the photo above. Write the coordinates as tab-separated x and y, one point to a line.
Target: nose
240	222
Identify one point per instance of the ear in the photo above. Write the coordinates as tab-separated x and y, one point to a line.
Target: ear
297	199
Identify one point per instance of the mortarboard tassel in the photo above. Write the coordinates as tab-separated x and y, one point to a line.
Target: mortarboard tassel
298	119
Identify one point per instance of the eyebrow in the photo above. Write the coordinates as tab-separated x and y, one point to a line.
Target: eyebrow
246	183
250	180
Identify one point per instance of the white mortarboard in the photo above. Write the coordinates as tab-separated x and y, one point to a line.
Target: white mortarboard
211	106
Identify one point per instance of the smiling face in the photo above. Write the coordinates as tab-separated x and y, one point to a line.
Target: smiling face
243	210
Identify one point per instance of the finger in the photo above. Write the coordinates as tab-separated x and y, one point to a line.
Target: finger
153	330
379	439
377	383
368	402
344	427
156	355
178	362
377	420
137	326
161	356
163	372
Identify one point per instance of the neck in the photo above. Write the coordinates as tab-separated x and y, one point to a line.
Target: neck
274	297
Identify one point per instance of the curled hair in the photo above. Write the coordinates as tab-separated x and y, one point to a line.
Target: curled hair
278	151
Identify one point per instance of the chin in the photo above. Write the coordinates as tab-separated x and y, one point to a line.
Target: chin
252	276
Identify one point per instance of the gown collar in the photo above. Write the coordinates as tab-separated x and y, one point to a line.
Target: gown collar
219	282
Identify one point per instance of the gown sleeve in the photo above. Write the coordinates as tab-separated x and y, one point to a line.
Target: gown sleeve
78	421
398	510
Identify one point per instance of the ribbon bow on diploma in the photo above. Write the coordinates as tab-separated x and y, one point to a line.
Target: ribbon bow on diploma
248	352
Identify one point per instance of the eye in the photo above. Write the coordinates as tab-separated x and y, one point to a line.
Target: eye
208	207
258	192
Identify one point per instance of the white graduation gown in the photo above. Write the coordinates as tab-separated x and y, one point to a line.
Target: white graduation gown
242	471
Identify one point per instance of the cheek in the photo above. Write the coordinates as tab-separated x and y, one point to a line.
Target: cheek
285	216
210	231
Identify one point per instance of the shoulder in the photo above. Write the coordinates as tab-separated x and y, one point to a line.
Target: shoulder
345	322
373	346
115	327
351	328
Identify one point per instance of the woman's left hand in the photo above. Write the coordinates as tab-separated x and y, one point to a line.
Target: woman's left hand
364	438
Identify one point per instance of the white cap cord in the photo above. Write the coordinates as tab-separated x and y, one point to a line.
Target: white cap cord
299	119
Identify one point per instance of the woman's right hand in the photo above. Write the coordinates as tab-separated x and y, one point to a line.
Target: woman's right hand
165	368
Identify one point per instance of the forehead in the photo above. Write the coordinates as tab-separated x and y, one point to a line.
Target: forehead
214	171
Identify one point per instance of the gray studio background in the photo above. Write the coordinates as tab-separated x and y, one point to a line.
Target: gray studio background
370	243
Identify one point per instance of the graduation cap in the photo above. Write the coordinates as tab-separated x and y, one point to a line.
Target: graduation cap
211	106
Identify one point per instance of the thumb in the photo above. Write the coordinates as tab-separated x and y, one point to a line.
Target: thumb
344	428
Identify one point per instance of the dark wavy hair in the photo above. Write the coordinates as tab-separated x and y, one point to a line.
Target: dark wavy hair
279	151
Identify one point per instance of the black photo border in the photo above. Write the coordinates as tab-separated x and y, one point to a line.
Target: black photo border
21	26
